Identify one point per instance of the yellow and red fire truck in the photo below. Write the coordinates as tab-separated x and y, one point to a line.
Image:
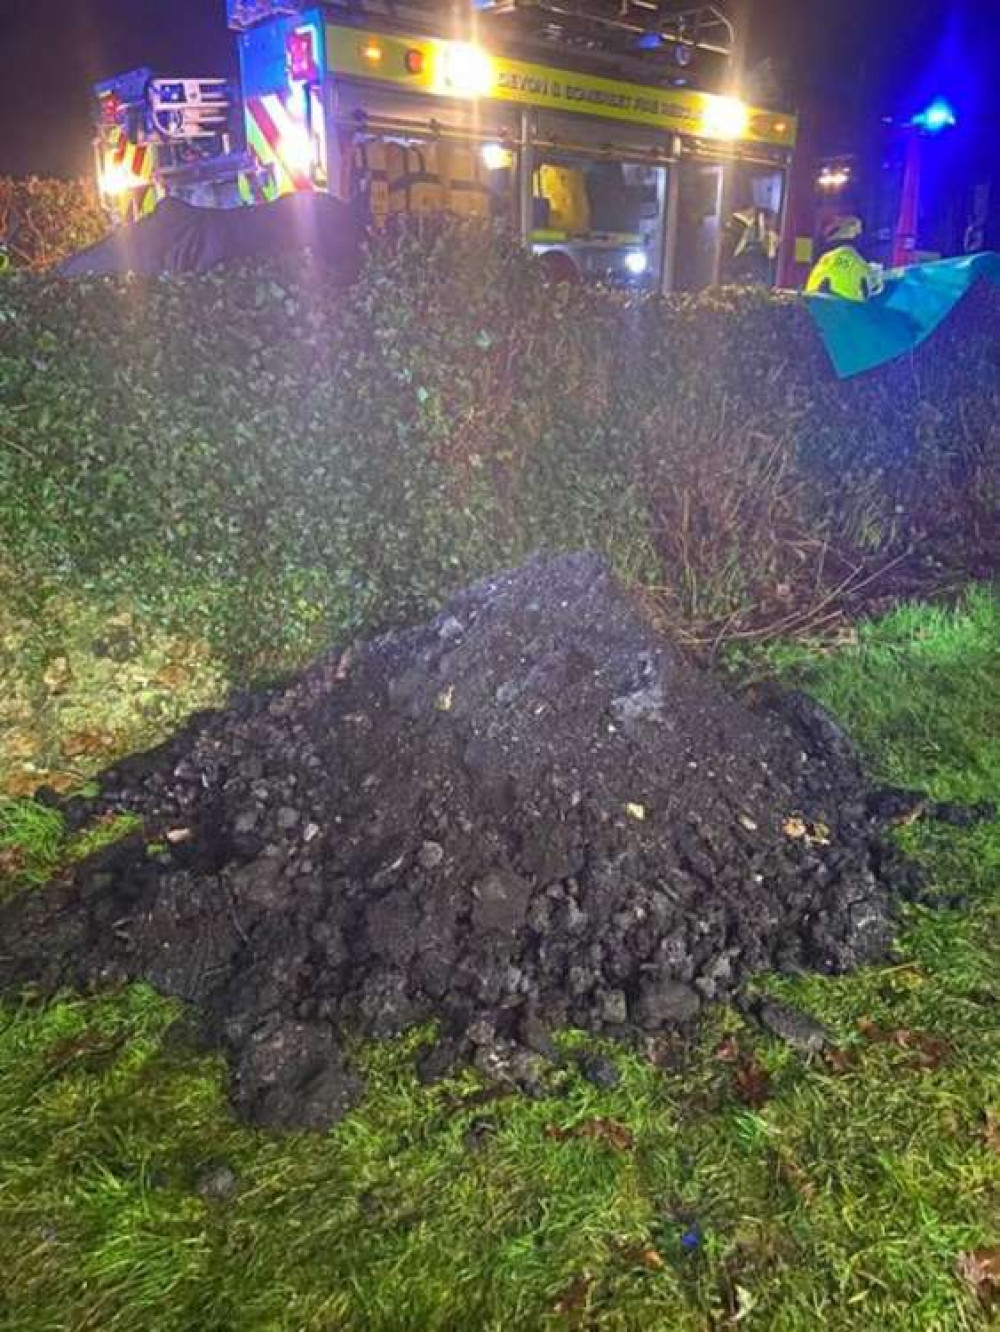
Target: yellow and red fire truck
607	133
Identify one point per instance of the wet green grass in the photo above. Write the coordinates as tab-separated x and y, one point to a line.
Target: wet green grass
35	845
842	1200
31	841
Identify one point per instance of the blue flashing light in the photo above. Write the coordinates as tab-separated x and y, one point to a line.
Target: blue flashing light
940	115
243	14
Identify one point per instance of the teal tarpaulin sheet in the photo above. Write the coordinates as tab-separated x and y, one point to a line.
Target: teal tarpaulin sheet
862	335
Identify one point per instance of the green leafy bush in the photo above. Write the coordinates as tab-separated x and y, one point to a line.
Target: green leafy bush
44	221
891	456
277	461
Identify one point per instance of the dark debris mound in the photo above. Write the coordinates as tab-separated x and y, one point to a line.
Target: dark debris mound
530	812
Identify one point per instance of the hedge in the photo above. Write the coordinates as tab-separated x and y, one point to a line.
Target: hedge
280	460
44	221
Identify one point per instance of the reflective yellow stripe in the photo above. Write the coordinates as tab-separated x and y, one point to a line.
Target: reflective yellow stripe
271	134
266	156
456	70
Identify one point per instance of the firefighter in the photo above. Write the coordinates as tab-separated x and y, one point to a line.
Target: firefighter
841	229
843	272
755	243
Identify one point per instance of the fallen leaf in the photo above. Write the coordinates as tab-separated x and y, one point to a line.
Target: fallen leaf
82	743
799	829
177	836
839	1060
610	1131
746	1302
643	1255
20	744
23	783
172	676
926	1051
751	1083
598	1130
27	782
12	861
728	1050
818	835
737	1302
73	1047
991	1131
575	1295
90	1050
666	1052
635	811
980	1270
446	699
929	1052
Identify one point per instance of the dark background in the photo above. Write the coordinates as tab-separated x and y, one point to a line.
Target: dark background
854	58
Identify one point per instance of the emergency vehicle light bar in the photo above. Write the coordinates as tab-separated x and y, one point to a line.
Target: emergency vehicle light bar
243	14
126	88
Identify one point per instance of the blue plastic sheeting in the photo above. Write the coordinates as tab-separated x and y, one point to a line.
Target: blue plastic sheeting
860	336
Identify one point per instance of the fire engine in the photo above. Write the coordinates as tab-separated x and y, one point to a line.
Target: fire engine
607	133
158	136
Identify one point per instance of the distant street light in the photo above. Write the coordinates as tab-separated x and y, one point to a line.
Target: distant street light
833	178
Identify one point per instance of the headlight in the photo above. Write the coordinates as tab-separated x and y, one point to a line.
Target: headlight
296	149
725	118
496	157
636	262
465	71
117	180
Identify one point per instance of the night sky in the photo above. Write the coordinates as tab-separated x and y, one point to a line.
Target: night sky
869	56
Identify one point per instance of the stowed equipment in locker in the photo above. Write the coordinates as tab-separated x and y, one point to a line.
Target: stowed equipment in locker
420	178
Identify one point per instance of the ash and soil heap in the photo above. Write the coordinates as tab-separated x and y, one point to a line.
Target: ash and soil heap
532	811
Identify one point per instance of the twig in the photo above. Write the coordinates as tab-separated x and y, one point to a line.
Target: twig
805	617
18	448
230	902
812	617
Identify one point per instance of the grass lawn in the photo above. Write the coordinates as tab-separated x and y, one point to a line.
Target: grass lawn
744	1186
